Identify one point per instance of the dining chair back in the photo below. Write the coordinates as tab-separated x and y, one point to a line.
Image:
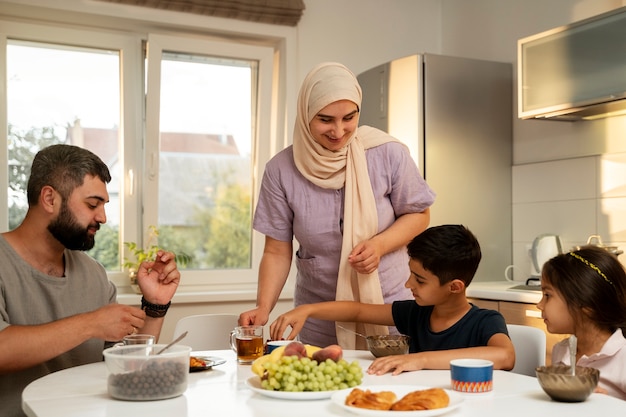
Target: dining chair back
207	331
530	348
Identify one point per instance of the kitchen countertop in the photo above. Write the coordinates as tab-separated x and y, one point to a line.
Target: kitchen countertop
500	291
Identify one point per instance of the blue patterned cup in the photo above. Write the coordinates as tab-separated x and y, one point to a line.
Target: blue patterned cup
471	375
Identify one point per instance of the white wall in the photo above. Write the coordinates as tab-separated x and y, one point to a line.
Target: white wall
568	177
364	33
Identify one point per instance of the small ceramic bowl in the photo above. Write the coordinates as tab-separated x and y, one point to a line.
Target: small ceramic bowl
273	344
386	345
558	382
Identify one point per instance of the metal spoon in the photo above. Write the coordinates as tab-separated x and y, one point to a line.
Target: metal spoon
572	353
172	343
352	331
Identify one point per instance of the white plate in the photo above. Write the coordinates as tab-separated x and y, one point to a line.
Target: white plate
339	398
254	383
210	362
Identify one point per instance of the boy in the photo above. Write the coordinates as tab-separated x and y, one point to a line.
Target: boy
441	322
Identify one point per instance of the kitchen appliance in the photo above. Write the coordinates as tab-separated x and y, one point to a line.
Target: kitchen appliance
544	248
454	114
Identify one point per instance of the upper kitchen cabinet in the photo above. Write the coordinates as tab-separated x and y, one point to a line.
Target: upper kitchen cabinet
574	72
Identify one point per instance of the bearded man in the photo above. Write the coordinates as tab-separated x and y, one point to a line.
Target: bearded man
57	307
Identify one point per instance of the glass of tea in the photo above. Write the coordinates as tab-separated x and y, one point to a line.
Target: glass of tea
247	342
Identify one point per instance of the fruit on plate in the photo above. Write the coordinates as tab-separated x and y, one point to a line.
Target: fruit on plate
276	354
297	367
293	374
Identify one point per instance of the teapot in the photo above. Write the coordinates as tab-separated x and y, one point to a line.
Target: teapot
596	240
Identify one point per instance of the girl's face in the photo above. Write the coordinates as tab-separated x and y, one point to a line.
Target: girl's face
334	124
424	285
554	311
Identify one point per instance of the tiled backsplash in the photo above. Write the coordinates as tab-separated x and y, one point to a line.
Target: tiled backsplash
573	198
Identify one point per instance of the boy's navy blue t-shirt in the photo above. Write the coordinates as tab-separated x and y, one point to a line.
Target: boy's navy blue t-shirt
472	330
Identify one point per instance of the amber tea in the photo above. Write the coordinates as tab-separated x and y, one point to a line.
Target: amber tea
247	342
249	348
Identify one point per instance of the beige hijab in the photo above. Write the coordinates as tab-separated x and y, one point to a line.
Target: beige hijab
325	84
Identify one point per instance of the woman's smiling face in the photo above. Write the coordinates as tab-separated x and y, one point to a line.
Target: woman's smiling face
334	124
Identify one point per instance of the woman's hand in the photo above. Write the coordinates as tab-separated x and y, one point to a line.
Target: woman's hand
365	257
255	317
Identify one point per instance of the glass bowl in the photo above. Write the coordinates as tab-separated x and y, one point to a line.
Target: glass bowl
136	373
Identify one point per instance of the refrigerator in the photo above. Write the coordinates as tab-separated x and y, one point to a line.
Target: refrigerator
455	115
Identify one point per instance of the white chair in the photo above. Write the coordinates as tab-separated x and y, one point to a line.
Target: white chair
530	348
207	331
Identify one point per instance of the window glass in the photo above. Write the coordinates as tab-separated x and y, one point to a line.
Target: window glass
205	179
62	94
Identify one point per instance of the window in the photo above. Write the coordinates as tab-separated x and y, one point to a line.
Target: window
54	103
179	127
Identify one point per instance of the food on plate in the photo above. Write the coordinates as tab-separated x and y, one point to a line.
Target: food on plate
297	367
279	352
293	374
196	362
373	401
333	352
295	349
427	399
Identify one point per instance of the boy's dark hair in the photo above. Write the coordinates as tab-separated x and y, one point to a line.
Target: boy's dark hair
449	251
64	168
591	279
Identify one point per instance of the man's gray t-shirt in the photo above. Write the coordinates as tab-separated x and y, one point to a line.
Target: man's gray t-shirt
30	297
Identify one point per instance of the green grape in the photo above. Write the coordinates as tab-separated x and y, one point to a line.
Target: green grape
295	374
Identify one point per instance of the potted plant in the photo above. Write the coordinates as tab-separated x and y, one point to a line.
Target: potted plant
141	254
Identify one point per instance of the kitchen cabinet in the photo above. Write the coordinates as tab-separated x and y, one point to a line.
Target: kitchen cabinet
576	71
521	313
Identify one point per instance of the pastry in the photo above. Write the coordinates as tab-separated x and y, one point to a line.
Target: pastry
371	400
427	399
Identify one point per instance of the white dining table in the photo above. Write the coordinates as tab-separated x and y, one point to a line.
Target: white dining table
222	391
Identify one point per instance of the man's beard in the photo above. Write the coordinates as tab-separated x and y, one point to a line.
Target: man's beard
71	234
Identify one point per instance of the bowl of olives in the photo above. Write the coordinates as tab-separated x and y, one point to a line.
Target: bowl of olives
137	373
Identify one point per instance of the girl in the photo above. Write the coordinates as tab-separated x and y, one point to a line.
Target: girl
584	294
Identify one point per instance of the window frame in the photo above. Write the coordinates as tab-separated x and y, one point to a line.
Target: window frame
157	44
129	35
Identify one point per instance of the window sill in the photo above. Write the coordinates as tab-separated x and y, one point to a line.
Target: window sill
189	296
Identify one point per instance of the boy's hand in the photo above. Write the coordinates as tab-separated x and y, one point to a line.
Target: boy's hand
294	319
397	363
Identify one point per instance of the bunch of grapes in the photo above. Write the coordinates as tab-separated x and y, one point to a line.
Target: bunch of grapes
293	374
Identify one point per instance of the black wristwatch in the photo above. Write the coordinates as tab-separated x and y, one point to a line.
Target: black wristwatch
154	310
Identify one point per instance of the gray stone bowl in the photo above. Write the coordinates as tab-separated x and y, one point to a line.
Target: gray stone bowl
558	382
386	345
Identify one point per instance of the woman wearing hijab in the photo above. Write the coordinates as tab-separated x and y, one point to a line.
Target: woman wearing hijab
352	197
